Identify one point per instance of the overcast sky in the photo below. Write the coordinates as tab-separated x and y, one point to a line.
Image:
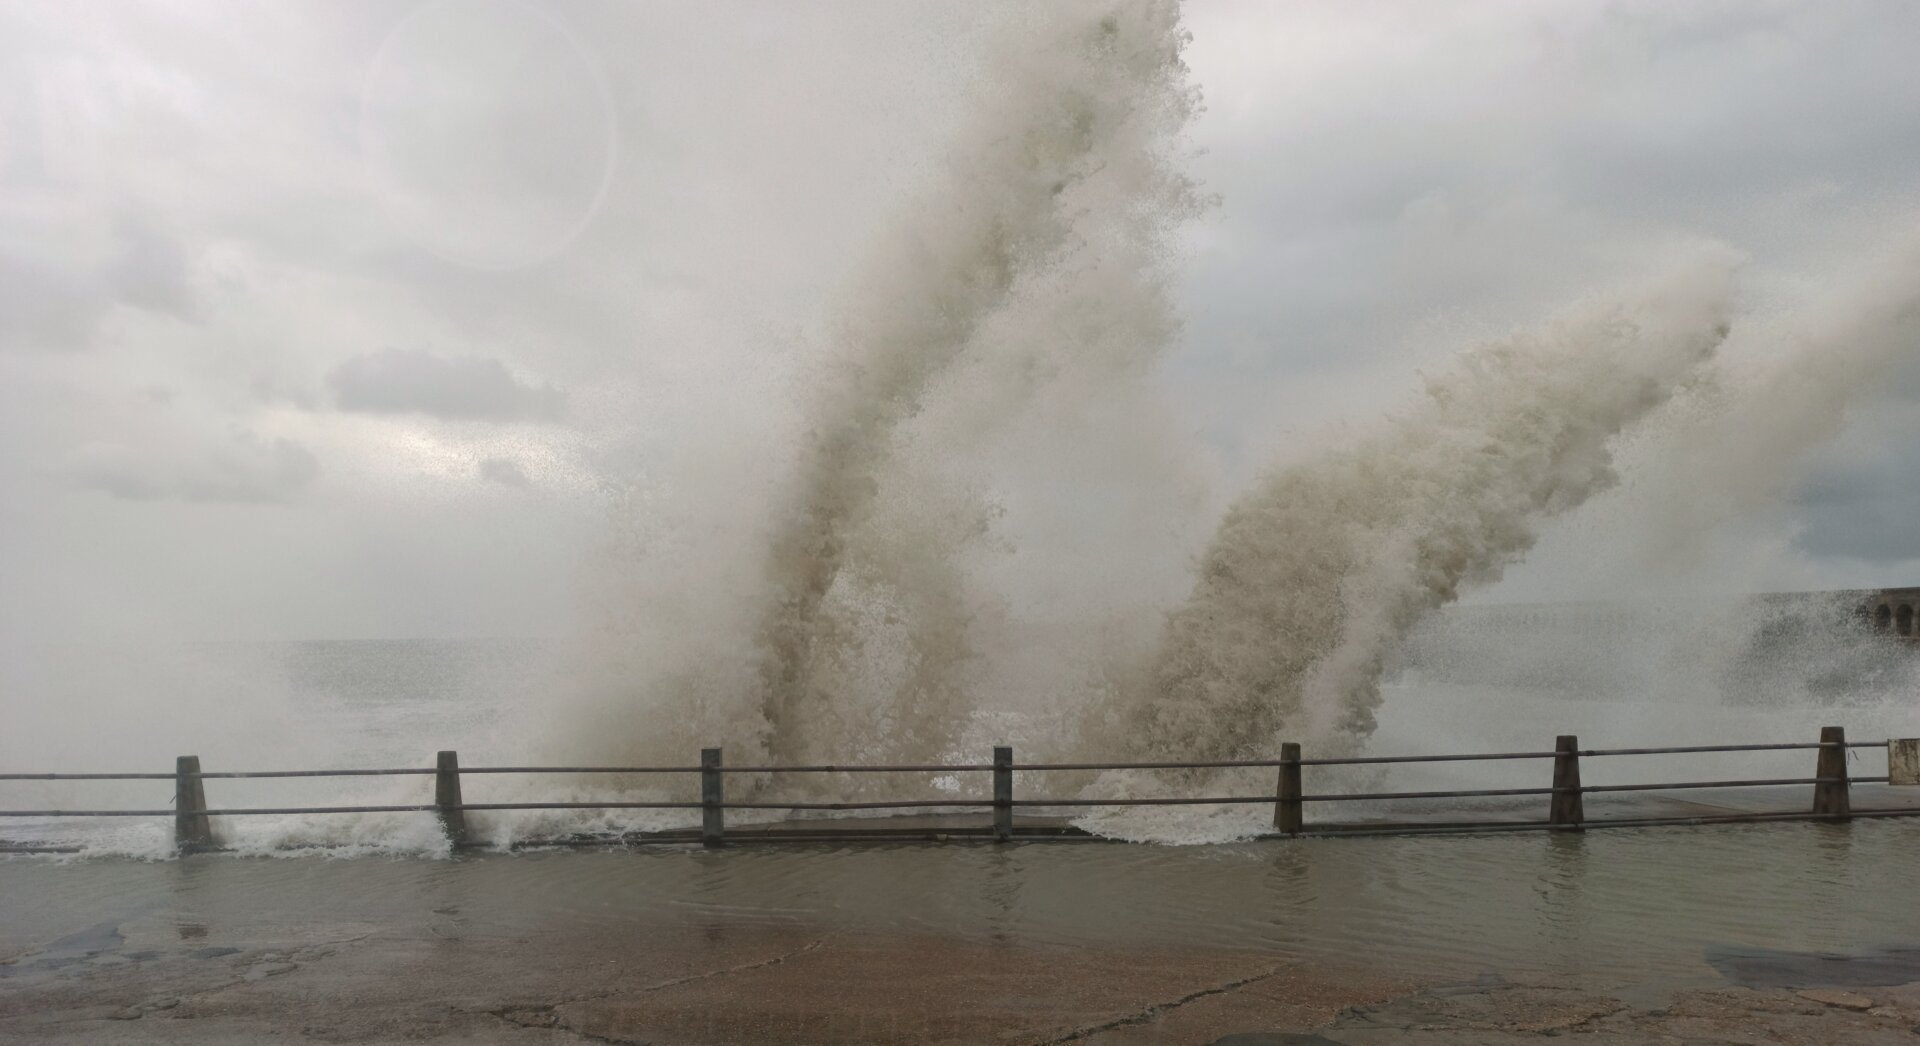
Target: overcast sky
340	319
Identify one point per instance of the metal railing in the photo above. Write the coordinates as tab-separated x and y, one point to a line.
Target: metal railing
1565	811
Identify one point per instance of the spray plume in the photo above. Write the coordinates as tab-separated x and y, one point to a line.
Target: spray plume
1063	188
1751	454
1321	569
1035	255
1039	252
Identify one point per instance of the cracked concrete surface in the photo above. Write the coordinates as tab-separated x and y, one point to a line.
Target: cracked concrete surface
862	988
1502	1014
765	984
782	985
1236	947
787	984
1152	1013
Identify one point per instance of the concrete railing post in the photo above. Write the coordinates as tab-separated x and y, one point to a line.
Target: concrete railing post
1830	799
191	829
1002	793
1286	811
1566	812
713	819
446	796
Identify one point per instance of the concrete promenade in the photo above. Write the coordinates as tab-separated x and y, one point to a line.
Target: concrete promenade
1770	933
357	983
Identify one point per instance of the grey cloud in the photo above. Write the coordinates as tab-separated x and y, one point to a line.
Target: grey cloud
1619	125
1687	111
402	381
1884	525
270	386
1862	499
45	309
505	472
151	271
245	469
1431	158
1905	382
1721	109
47	301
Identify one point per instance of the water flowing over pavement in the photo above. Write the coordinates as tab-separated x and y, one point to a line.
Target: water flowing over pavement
781	987
1627	936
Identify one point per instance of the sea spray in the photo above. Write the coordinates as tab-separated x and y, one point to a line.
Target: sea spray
1062	192
1319	570
1034	263
1709	513
1034	259
1751	452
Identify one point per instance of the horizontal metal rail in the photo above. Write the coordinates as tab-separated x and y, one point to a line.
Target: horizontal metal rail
861	768
1215	800
1830	802
578	770
826	832
225	813
86	813
1490	756
321	810
892	804
1480	827
1806	746
219	773
608	805
1463	793
395	772
465	770
957	803
1212	764
755	834
1761	783
1370	760
86	777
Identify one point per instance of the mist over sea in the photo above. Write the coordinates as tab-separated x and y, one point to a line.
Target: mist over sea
1472	679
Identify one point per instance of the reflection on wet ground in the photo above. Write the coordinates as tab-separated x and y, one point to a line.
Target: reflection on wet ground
1767	968
1630	914
1630	901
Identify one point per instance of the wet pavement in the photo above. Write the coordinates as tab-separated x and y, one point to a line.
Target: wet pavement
1778	934
777	987
760	986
